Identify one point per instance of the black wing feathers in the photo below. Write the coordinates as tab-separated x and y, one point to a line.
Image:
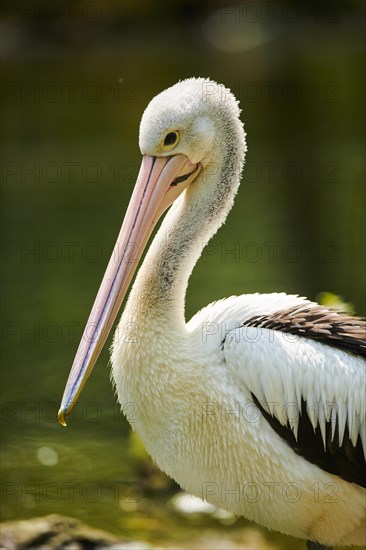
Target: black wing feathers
345	461
318	323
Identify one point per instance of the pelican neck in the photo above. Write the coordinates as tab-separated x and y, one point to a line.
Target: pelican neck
160	287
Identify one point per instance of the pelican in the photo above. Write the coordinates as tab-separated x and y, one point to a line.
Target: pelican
257	404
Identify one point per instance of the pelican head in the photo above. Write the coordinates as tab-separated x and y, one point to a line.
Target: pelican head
187	119
182	131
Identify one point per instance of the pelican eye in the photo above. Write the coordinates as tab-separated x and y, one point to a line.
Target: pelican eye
171	140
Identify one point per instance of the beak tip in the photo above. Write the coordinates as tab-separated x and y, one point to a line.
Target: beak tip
61	417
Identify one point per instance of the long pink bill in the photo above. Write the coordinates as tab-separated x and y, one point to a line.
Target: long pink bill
160	181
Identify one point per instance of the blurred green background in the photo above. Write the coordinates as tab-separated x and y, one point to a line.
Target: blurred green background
76	78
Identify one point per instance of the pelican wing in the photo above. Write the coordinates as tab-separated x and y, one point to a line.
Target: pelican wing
305	370
318	323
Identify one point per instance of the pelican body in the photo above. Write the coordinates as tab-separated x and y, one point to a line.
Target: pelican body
257	404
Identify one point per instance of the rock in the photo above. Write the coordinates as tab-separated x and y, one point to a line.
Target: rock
55	532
